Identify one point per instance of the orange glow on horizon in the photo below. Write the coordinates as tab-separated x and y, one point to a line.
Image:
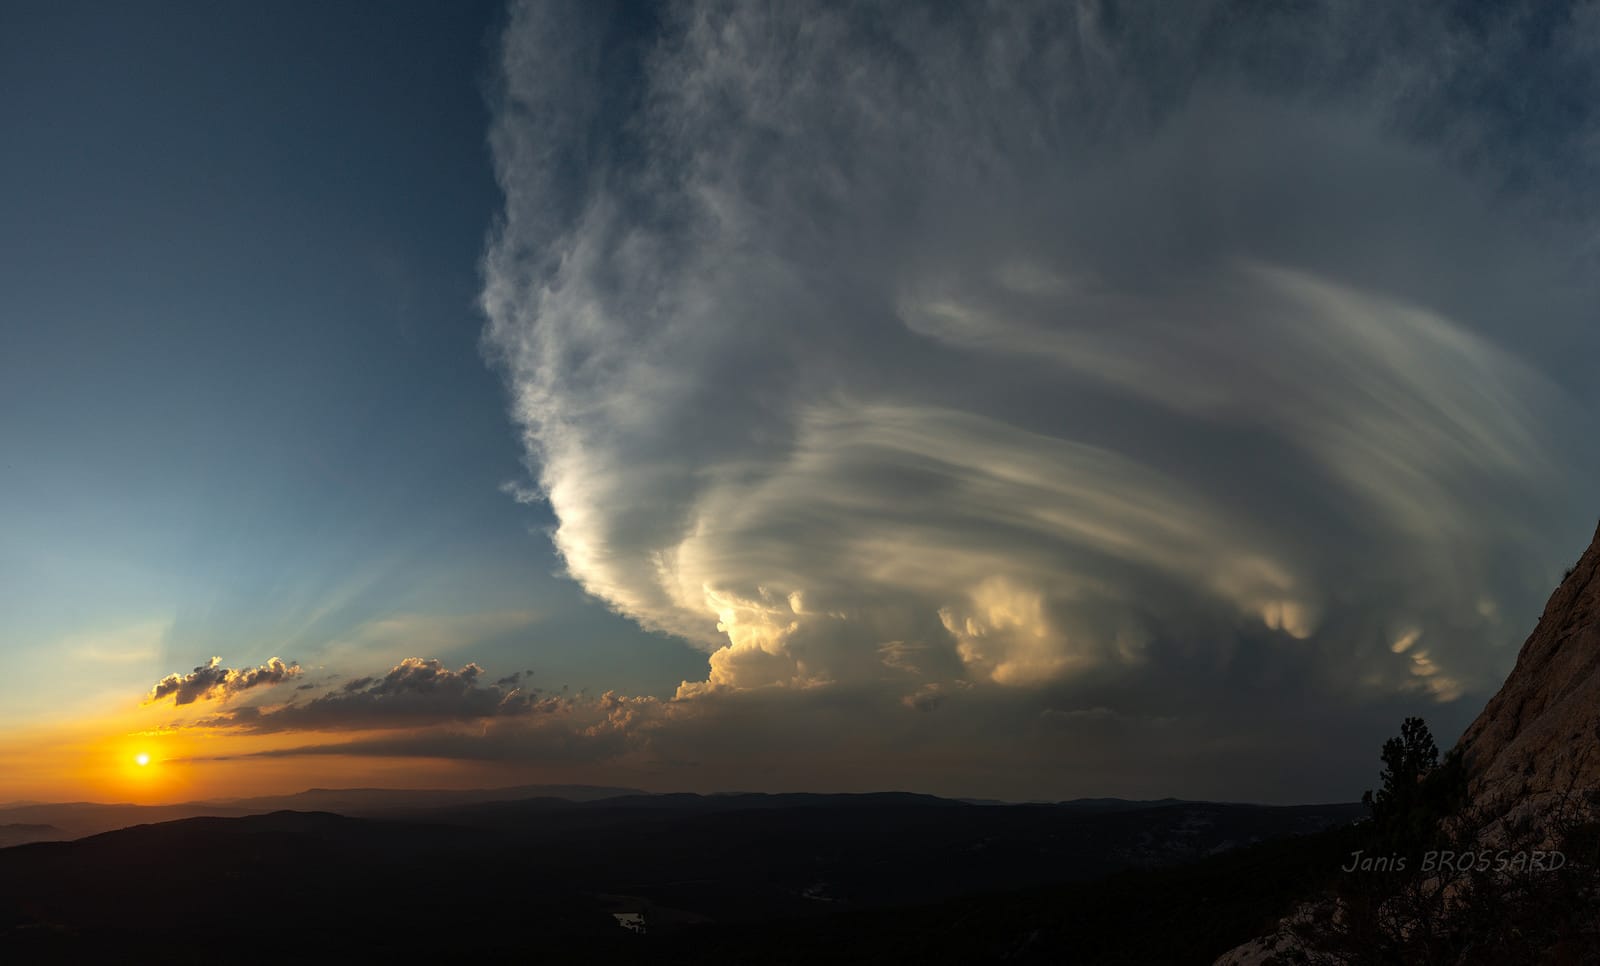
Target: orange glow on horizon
156	755
142	756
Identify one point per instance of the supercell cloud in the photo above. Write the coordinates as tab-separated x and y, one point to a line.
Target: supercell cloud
1094	369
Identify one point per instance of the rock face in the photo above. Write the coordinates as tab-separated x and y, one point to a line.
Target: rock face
1538	739
1535	743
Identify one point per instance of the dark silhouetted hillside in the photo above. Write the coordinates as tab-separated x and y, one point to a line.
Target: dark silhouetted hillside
722	872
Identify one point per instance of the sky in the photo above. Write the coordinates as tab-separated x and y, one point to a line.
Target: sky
1023	400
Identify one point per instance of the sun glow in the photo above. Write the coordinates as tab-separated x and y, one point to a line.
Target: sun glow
138	764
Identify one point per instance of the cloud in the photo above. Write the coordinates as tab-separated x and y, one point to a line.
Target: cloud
415	693
563	739
954	358
212	680
520	493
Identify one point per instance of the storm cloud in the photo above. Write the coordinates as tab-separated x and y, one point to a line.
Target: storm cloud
1023	354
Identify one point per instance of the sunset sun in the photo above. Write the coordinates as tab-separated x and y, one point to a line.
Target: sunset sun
141	759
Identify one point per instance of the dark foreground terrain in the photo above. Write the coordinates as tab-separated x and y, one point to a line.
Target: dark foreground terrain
737	878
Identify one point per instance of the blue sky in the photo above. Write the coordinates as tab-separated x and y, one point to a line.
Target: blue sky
241	391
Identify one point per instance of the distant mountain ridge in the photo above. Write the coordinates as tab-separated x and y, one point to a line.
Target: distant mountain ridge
35	821
333	799
71	820
20	833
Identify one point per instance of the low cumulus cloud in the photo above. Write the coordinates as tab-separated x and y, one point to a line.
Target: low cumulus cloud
212	680
963	356
415	693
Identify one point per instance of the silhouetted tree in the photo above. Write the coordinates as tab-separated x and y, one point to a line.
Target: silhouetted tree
1510	903
1418	791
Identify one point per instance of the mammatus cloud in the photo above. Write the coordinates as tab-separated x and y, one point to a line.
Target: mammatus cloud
1040	349
212	680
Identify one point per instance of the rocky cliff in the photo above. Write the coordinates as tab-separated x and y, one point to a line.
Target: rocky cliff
1538	739
1534	748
